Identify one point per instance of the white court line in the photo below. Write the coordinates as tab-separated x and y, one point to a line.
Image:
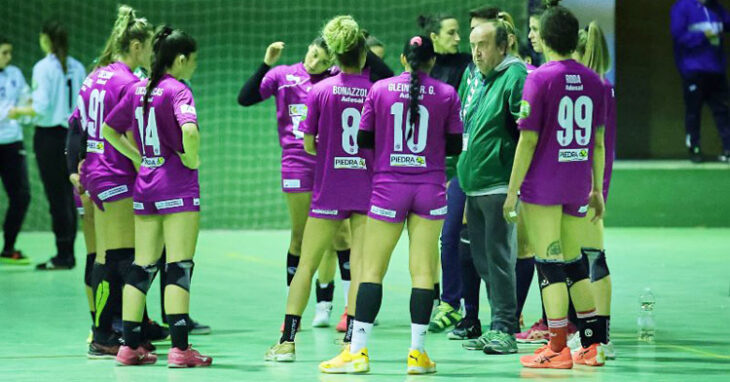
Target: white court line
668	165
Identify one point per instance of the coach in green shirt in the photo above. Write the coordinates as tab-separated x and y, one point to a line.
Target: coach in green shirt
490	108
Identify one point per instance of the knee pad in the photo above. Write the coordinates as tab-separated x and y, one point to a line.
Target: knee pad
120	260
141	277
179	273
90	259
576	270
598	266
549	273
96	275
343	260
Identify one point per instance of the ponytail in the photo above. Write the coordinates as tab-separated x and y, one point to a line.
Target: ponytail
417	51
126	28
593	49
167	44
58	35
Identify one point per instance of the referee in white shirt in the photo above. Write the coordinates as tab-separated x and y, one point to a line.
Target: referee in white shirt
57	79
13	167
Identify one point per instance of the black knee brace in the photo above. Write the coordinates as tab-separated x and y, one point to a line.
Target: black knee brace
179	273
343	259
141	277
90	259
576	270
549	273
598	266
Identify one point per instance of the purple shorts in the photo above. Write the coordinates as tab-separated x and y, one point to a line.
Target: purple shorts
392	202
110	193
79	203
577	210
168	206
297	180
325	213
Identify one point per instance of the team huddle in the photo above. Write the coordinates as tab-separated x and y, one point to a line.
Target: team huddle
515	158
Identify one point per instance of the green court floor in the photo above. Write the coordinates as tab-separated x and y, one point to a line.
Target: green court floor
239	290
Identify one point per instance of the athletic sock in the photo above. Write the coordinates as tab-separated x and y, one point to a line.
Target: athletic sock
291	323
348	331
325	292
558	333
591	330
132	333
605	323
360	333
369	298
420	315
436	294
524	272
292	262
179	330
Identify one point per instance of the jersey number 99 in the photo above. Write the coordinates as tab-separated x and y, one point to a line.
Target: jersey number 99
578	113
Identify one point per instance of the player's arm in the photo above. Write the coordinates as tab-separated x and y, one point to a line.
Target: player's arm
680	30
250	93
74	153
523	159
120	142
599	164
310	146
191	145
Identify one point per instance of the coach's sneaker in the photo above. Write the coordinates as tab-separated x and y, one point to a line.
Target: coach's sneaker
479	343
322	313
446	317
501	343
590	356
466	329
196	328
102	351
342	325
546	358
608	350
281	352
190	357
14	257
130	357
155	332
539	333
419	363
695	155
346	362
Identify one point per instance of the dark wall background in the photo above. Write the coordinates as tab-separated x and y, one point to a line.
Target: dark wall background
648	86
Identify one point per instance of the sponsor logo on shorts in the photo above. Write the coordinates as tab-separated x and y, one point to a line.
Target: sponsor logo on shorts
196	201
352	163
93	146
439	211
573	155
153	162
407	160
382	212
118	190
325	212
292	183
583	209
138	206
187	109
172	203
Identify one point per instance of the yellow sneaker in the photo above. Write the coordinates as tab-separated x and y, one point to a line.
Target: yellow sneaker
347	362
281	352
419	363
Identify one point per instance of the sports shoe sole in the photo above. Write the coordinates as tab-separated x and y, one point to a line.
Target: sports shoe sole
348	369
100	356
281	358
199	332
415	370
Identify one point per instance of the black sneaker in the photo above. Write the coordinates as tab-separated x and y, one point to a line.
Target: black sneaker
55	263
102	351
724	157
14	257
155	332
466	330
196	328
695	155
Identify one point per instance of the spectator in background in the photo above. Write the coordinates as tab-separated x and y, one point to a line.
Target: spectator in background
13	167
375	46
57	79
697	27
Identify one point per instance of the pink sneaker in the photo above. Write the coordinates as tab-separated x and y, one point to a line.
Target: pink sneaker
539	333
187	358
342	325
140	356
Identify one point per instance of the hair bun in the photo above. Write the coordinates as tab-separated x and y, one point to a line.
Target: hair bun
416	40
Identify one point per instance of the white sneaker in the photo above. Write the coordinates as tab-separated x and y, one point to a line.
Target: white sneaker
608	350
322	314
574	342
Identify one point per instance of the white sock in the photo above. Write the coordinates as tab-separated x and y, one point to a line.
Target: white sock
323	285
418	336
360	333
346	287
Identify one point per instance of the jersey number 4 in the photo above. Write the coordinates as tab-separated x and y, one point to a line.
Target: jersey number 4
148	134
576	121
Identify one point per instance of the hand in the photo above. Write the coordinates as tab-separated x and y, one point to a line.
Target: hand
75	180
597	203
189	161
509	209
81	164
273	53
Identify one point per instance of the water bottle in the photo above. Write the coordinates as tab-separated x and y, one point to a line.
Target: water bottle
646	323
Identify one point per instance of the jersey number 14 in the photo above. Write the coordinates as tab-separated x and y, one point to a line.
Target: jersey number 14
148	134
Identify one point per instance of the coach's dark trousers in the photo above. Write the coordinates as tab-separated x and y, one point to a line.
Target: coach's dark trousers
710	88
493	249
49	146
14	174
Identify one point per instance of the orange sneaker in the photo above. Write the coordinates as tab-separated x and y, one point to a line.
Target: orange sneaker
546	358
342	325
590	356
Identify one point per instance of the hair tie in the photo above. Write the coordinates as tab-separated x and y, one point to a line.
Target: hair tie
416	40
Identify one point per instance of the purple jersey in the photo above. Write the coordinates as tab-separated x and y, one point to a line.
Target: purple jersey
101	91
341	176
610	135
158	133
290	84
564	102
405	153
